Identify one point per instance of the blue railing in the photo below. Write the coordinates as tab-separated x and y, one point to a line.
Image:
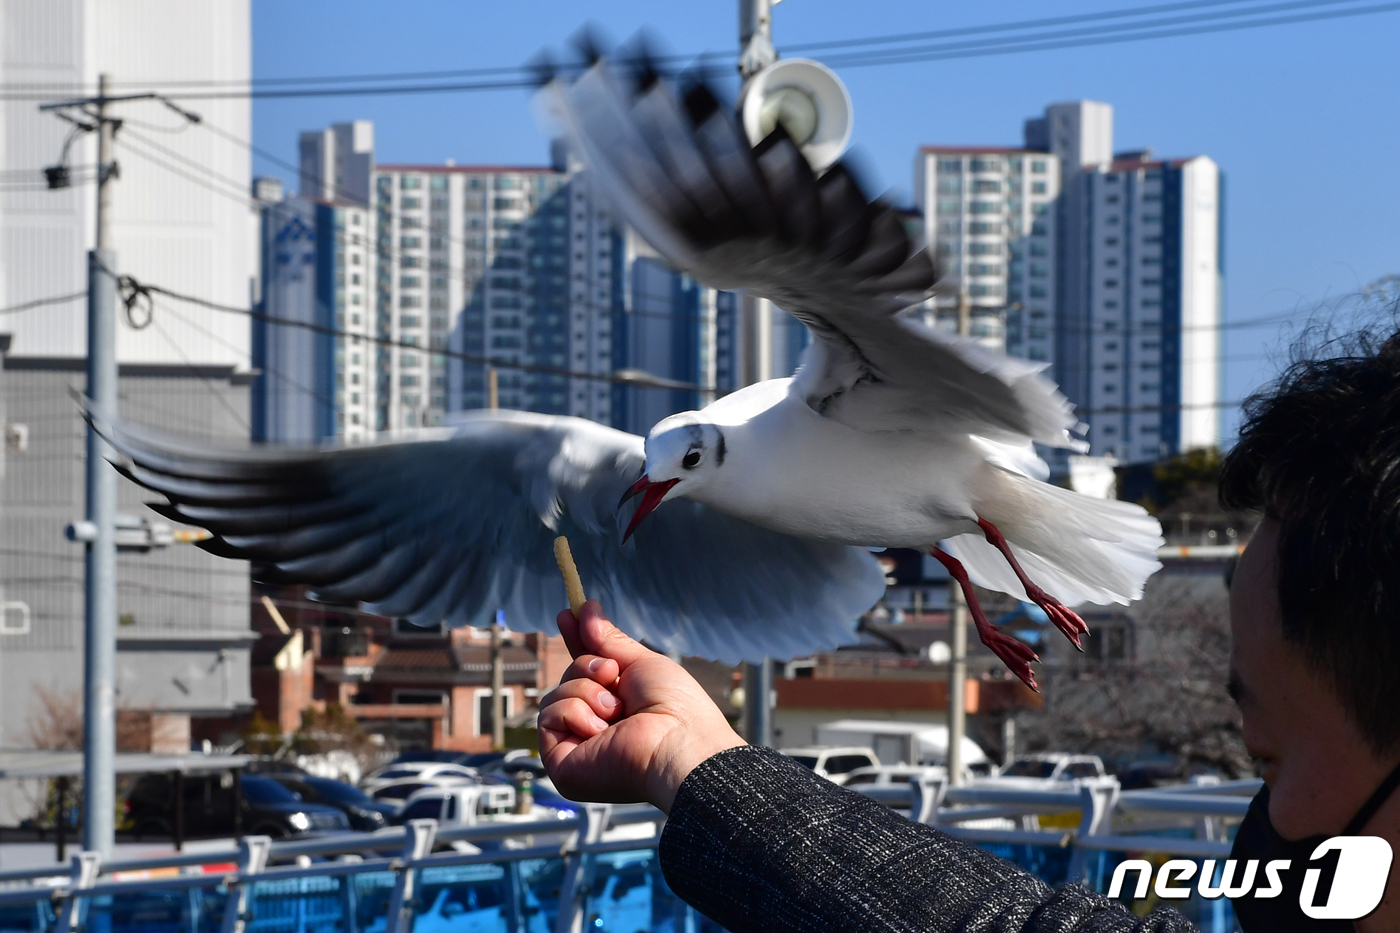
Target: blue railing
597	872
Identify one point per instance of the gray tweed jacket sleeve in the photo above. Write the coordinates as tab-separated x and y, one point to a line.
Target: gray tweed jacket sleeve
757	842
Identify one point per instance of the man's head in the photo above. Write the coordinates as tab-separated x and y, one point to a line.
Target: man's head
1315	604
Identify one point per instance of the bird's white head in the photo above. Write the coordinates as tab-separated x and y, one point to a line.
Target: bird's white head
684	455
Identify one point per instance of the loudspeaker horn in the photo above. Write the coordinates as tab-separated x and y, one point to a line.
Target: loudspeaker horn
809	101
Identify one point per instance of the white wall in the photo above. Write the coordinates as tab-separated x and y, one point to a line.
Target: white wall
189	234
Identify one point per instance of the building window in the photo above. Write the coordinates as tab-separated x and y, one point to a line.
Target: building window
986	165
410	301
410	242
986	186
1038	166
950	165
484	724
410	182
1037	187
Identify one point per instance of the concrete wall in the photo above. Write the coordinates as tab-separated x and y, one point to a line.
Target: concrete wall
184	633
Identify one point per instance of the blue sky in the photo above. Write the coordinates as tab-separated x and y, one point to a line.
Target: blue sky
1302	118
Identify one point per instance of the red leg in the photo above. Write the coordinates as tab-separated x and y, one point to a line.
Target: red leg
1017	655
1065	619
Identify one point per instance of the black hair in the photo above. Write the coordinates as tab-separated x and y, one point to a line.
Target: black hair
1319	452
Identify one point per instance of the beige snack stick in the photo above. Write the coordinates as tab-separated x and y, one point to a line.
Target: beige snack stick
572	584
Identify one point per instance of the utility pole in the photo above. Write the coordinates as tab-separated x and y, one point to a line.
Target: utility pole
100	570
957	624
97	531
498	665
756	52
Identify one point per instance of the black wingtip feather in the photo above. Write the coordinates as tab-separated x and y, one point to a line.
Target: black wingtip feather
700	101
643	61
220	548
542	69
591	44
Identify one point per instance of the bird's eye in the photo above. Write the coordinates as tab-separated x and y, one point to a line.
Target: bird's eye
691	460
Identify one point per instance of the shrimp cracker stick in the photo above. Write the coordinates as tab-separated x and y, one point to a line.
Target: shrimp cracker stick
572	584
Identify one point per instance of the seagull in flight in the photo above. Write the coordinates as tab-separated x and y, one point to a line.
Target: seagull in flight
735	532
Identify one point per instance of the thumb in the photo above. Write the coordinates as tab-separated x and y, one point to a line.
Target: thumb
601	637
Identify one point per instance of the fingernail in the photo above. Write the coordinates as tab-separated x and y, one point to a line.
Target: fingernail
607	700
599	724
596	665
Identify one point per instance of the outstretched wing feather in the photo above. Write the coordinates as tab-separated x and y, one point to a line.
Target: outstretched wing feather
459	524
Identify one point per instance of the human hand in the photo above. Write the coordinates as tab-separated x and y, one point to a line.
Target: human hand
625	723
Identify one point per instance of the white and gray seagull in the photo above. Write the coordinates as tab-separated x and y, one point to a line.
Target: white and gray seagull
760	508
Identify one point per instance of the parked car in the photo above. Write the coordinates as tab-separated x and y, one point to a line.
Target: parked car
437	755
269	809
835	763
461	804
1047	769
364	812
395	793
884	775
428	772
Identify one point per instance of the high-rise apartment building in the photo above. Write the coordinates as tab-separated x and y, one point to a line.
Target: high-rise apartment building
1147	378
1106	266
989	220
337	164
318	269
184	637
1137	346
668	325
453	265
510	263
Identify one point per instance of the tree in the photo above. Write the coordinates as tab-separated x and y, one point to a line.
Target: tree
1165	696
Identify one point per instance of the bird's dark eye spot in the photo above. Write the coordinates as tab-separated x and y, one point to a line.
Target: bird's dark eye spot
691	460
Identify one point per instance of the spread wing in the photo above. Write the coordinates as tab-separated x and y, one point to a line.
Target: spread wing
678	168
459	522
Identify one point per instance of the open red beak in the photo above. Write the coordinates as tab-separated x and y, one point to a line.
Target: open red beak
652	494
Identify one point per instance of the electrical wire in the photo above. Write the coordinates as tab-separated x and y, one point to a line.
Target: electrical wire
1135	28
44	302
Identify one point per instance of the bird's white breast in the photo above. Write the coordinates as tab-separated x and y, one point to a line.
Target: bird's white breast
791	470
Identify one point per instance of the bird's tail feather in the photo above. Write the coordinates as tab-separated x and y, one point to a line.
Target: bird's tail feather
1077	548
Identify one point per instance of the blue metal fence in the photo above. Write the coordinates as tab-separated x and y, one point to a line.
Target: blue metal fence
567	876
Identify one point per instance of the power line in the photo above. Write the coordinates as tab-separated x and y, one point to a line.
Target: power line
1033	43
1244	8
42	302
654	382
1015	26
527	76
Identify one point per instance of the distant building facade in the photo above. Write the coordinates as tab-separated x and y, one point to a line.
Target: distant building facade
1146	370
1108	267
400	299
183	638
989	219
318	369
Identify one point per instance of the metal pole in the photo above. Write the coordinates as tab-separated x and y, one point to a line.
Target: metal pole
957	624
179	811
755	36
758	702
498	668
755	363
100	572
61	819
498	685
